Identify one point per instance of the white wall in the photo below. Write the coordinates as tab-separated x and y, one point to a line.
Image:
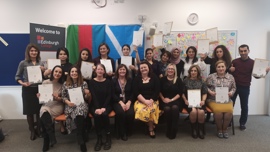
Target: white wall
251	18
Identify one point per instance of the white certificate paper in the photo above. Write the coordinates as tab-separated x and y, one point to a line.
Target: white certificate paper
222	94
87	70
138	38
76	95
203	46
212	35
194	98
158	40
167	28
51	63
127	60
34	74
259	67
45	91
108	65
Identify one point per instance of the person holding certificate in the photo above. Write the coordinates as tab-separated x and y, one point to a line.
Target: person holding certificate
132	63
123	106
76	111
223	110
30	101
85	55
163	63
175	59
104	51
52	109
220	53
146	91
194	82
171	89
100	106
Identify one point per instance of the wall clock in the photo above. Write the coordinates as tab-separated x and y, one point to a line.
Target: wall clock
193	19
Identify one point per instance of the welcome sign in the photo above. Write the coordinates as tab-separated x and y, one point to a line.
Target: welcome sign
47	38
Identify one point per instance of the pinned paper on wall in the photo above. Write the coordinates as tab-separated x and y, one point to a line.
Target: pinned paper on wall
137	38
3	41
212	35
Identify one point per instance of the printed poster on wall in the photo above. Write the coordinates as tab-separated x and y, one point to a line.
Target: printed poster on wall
47	38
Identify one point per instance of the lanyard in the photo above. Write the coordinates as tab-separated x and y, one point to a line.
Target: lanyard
122	87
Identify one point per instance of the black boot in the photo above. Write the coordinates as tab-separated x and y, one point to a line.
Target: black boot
201	131
79	120
83	147
30	120
99	143
194	128
2	136
46	142
46	120
108	142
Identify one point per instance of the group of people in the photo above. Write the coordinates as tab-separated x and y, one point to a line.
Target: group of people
143	91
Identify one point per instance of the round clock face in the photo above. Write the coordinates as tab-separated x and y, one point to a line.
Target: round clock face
193	18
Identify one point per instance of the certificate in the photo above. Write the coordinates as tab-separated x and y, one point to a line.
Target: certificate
87	70
212	35
167	27
194	98
108	65
259	68
45	91
203	46
138	38
222	94
127	60
76	96
51	63
158	40
34	74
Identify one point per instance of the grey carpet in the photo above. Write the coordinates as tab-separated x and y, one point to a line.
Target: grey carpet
255	139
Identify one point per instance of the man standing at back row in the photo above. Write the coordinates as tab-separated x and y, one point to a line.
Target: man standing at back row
241	69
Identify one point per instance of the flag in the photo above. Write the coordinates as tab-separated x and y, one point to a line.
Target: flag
84	36
118	35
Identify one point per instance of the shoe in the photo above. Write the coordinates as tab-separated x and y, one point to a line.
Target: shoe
108	142
220	135
243	127
124	137
33	135
152	134
83	148
98	143
225	135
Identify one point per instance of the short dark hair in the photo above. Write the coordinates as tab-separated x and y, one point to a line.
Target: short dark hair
126	46
148	49
149	67
106	45
62	49
242	46
164	51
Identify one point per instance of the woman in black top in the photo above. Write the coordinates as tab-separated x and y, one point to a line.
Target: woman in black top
175	59
122	96
171	88
163	63
100	107
149	53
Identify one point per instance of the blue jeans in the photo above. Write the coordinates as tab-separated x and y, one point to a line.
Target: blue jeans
243	93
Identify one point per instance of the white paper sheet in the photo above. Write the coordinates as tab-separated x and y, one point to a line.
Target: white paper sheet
34	74
87	70
212	35
138	38
108	65
51	63
127	60
158	40
194	98
167	27
76	95
46	93
203	46
259	67
222	94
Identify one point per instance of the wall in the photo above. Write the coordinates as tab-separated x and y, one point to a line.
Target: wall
250	18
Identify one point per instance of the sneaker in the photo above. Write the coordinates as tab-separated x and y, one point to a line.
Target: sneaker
220	135
225	135
243	127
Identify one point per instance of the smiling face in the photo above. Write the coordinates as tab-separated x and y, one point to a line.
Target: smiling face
74	73
33	52
62	55
84	55
100	71
164	57
170	70
122	72
244	51
219	53
149	55
194	73
126	51
57	73
191	53
144	69
221	68
103	50
176	54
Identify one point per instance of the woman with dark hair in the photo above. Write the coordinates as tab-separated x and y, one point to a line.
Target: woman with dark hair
123	106
85	55
146	90
149	53
171	89
76	114
196	115
220	53
163	63
30	101
132	68
222	111
52	109
104	51
175	59
100	106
